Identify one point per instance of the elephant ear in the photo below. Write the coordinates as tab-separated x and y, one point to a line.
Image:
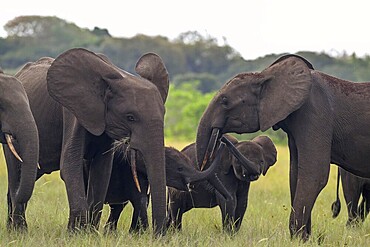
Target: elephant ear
285	88
151	67
269	152
77	79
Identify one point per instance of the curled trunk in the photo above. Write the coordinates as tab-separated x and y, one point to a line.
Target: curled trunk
211	175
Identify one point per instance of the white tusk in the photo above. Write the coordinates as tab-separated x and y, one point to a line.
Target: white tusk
11	147
133	169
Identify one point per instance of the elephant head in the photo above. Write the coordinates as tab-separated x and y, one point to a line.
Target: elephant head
261	151
254	101
18	130
128	108
180	173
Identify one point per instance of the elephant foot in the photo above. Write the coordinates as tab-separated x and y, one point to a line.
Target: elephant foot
17	223
139	228
230	228
110	227
78	223
354	222
302	234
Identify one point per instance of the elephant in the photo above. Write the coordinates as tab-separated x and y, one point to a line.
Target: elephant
353	187
325	118
85	108
19	134
261	150
122	187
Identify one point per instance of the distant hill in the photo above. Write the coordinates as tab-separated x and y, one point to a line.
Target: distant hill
189	57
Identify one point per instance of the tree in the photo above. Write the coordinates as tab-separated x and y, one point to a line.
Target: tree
184	108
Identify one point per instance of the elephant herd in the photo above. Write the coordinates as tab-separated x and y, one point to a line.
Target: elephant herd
102	127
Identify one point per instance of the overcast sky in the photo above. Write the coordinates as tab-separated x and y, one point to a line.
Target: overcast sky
253	28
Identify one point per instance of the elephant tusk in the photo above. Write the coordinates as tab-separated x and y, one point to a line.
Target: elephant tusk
133	169
211	147
38	165
148	190
11	147
188	185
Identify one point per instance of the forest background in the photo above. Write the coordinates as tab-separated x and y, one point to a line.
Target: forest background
198	65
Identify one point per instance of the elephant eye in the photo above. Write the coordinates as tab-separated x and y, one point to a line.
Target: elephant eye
180	169
130	117
224	100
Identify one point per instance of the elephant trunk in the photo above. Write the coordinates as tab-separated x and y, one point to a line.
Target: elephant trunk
27	146
208	134
151	145
253	169
211	175
202	175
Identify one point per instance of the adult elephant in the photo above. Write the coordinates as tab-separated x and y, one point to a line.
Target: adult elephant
353	188
261	151
326	120
123	188
19	132
85	107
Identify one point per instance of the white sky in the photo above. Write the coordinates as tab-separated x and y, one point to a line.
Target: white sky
252	27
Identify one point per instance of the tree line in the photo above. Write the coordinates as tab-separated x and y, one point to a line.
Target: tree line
198	65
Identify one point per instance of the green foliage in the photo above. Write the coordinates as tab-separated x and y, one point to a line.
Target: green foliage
184	108
198	65
205	82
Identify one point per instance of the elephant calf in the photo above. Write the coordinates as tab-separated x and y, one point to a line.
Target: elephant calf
353	187
123	188
260	150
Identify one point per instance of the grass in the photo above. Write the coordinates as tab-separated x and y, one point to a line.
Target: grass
265	222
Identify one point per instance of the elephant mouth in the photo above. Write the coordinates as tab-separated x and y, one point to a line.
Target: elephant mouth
118	134
124	145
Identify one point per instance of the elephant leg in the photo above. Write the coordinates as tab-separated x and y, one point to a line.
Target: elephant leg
293	172
10	211
76	196
139	221
352	188
228	212
241	204
176	208
16	211
115	213
98	182
312	176
364	207
366	201
71	171
140	201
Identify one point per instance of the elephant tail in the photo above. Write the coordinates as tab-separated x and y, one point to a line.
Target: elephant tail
335	207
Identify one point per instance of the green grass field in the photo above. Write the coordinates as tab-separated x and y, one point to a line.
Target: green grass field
265	222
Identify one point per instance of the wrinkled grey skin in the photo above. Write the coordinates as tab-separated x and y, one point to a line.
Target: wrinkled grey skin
122	188
16	120
85	107
353	188
233	175
292	96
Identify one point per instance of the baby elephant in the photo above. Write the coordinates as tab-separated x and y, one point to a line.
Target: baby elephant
236	179
353	187
123	188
